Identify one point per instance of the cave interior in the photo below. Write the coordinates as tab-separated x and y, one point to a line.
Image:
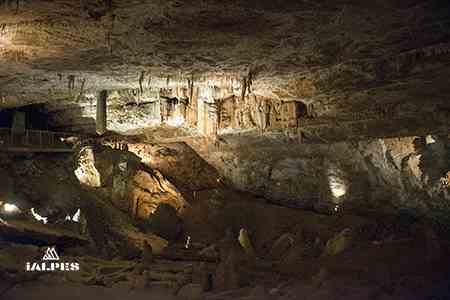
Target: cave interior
207	150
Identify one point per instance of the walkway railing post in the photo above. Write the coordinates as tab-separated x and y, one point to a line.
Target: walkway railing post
33	140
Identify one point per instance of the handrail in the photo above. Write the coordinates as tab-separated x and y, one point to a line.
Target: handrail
30	139
38	130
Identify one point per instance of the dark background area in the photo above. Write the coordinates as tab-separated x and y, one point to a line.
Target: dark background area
36	116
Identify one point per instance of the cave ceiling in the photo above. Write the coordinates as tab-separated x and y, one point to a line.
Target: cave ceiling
343	55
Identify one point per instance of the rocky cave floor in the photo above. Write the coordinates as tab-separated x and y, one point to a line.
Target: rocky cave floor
204	240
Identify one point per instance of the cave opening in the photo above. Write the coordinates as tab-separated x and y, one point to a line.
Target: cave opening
33	116
301	109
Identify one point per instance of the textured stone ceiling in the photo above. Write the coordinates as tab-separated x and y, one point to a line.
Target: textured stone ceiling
346	56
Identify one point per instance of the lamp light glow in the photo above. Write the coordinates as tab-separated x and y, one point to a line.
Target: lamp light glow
10	208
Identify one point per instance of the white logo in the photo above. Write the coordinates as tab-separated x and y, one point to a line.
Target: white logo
51	254
51	262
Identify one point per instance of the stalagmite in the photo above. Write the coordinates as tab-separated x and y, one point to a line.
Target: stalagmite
244	241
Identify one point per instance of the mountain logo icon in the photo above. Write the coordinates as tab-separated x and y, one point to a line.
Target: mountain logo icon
50	254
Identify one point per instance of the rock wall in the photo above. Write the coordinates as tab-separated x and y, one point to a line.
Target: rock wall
131	186
49	185
394	174
180	163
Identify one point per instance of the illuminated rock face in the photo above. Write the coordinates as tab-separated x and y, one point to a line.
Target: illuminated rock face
132	188
338	186
381	174
86	172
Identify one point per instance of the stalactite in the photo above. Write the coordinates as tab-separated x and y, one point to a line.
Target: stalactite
219	109
109	34
149	81
83	82
249	82
71	83
243	89
191	89
141	79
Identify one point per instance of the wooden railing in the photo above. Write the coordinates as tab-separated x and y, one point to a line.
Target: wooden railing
33	140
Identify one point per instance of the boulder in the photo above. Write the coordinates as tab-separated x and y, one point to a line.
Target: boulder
246	244
281	246
119	175
147	189
338	243
86	172
113	232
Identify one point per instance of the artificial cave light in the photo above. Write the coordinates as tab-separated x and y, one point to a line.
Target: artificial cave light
337	186
430	140
188	242
10	208
76	216
38	217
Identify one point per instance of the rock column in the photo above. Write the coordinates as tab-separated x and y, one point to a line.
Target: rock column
101	112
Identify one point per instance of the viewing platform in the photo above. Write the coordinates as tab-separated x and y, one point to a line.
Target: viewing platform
20	140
